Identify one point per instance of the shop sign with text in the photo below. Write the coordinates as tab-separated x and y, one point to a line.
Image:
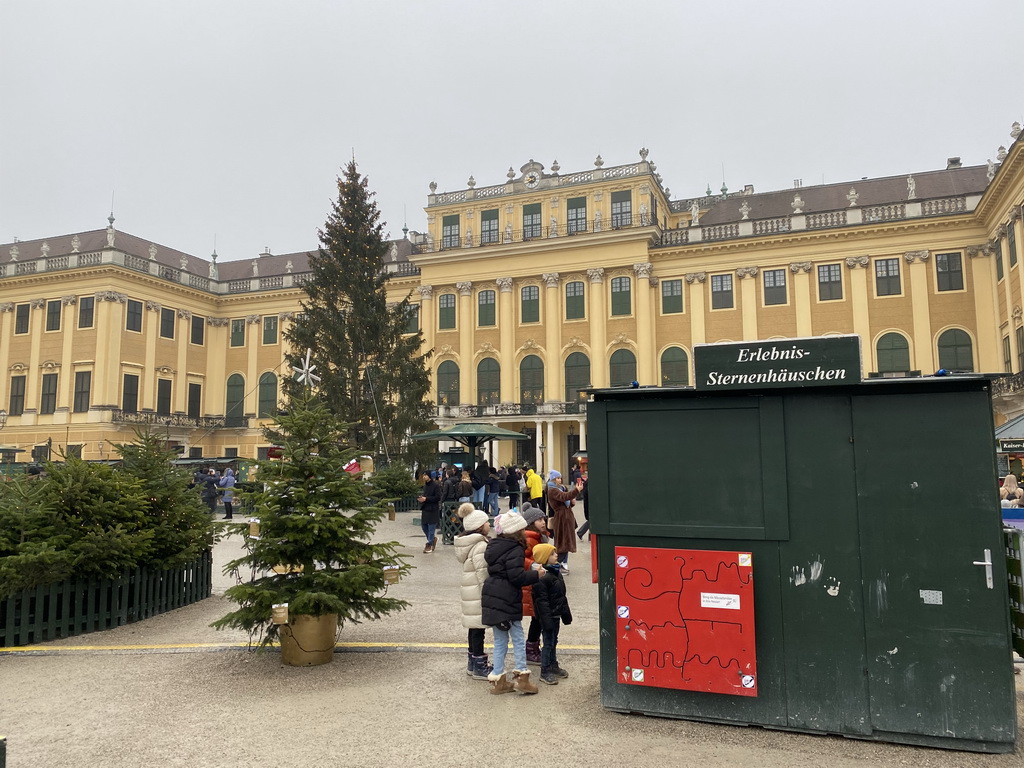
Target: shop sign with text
822	361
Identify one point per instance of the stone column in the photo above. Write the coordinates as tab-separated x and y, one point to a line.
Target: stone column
581	425
109	324
554	371
695	302
428	322
147	381
859	267
801	272
552	456
917	279
253	328
747	278
66	380
538	464
646	343
182	338
598	329
33	378
466	323
986	308
506	330
7	312
217	329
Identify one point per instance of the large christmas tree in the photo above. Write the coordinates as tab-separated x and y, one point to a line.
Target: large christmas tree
374	372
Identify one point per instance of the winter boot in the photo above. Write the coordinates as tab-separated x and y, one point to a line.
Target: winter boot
522	682
557	671
481	669
547	677
433	543
500	683
532	652
470	664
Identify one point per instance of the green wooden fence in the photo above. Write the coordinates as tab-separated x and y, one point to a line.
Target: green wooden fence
408	504
74	607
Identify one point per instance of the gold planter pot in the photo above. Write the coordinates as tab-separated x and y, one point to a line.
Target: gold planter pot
307	641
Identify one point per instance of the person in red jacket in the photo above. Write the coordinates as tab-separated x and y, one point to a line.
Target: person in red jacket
536	533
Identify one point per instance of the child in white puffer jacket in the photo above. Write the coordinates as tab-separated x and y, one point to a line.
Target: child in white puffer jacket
469	548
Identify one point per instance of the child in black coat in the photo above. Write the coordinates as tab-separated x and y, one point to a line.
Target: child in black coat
551	607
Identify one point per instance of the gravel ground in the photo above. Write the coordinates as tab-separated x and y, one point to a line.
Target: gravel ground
230	707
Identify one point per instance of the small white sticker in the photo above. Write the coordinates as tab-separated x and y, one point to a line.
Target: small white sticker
744	558
638	675
747	681
718	600
622	561
623	611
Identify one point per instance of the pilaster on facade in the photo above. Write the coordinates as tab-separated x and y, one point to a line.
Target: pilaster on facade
645	324
552	308
598	329
918	278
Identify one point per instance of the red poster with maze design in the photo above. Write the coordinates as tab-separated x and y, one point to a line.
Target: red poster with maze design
685	619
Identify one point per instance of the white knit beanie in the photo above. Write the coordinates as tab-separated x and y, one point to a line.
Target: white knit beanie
474	521
510	522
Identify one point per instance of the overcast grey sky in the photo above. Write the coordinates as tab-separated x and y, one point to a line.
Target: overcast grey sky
232	118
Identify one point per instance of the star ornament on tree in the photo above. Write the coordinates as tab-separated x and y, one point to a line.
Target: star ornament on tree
305	373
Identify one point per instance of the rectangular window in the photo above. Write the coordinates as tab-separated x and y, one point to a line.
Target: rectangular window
450	231
1007	358
412	318
83	389
48	398
446	311
133	319
198	330
231	453
950	271
17	404
485	303
21	318
195	452
53	315
270	329
576	215
671	297
489	226
575	308
774	286
238	333
621	296
166	323
41	452
86	308
195	399
999	262
531	221
830	282
721	291
163	397
622	209
530	304
130	393
1020	350
887	277
74	451
1011	242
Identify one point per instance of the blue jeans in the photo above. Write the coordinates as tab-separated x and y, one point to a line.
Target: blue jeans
518	648
548	651
563	557
492	502
429	530
478	496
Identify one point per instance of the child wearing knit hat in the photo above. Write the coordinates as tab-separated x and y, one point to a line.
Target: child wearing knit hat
502	602
536	532
469	549
551	607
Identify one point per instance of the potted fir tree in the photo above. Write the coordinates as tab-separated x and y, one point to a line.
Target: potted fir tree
318	521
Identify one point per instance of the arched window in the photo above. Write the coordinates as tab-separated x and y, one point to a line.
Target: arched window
448	383
267	405
531	380
488	382
893	353
235	407
675	368
577	376
622	368
955	351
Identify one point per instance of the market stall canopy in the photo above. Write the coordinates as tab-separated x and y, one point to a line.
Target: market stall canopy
471	435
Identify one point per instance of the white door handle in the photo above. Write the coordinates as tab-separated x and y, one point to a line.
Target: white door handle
987	562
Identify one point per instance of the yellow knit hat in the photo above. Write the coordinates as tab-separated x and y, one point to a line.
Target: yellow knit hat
542	553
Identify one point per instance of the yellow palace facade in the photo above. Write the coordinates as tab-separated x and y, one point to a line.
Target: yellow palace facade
527	291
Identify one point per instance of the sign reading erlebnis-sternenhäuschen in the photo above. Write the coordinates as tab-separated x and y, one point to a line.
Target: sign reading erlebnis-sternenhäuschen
816	362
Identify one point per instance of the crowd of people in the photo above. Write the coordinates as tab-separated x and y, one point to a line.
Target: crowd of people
214	488
516	572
